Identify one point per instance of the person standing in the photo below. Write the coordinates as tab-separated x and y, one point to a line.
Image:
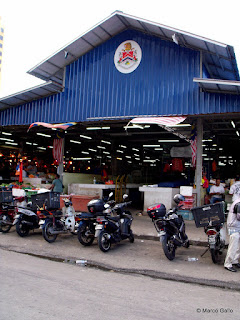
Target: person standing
216	192
57	185
233	224
235	189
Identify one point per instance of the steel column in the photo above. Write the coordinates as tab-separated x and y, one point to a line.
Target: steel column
199	159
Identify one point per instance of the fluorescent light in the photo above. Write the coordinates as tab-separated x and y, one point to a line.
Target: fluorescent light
94	128
85	137
237	133
128	157
149	161
85	152
129	161
135	149
222	157
106	152
100	147
50	147
103	141
151	145
179	125
6	139
121	146
207	140
53	128
42	148
98	128
120	151
168	140
7	133
119	158
136	155
13	143
214	145
137	159
87	158
158	149
134	126
74	141
109	157
43	134
233	124
92	150
204	155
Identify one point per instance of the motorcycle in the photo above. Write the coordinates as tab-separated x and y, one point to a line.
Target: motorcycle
58	222
88	220
25	220
212	218
170	226
113	229
7	214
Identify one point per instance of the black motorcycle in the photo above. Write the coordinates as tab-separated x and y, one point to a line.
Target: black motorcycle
88	220
113	229
170	226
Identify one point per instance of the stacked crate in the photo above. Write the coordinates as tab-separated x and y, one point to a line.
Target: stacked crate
188	203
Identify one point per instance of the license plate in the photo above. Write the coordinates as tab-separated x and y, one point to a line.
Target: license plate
211	240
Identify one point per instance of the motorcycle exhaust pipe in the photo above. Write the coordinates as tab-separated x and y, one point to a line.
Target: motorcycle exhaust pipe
58	232
177	240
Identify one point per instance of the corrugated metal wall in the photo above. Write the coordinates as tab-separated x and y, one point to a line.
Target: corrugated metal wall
161	85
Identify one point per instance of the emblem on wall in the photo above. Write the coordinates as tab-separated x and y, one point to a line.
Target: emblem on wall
127	56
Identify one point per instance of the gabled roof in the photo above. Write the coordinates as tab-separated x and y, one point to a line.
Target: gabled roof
219	58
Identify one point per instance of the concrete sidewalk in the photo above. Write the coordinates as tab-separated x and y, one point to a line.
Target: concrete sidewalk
143	228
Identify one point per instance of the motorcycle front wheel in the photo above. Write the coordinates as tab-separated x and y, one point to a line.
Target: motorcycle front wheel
131	237
168	247
5	223
46	233
83	237
22	230
104	242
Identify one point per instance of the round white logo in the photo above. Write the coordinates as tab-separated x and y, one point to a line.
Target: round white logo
127	56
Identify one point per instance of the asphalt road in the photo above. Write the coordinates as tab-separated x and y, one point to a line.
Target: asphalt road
35	288
143	256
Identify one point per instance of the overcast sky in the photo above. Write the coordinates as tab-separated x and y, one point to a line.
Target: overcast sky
36	29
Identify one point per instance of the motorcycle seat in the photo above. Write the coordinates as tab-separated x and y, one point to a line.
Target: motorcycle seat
114	218
86	215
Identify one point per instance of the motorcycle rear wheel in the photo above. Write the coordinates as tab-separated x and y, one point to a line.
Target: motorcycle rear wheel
47	235
168	247
84	239
22	230
4	228
103	242
214	255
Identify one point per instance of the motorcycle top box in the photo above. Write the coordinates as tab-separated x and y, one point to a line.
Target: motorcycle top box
156	211
96	206
209	213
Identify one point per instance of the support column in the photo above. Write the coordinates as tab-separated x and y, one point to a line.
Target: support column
198	172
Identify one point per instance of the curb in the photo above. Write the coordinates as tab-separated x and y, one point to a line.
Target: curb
155	238
143	272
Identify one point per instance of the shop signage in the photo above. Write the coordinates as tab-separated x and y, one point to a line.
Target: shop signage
127	56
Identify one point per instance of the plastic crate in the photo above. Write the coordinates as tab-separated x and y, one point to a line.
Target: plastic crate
6	195
51	200
213	213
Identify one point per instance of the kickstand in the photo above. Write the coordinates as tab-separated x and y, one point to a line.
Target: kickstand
204	252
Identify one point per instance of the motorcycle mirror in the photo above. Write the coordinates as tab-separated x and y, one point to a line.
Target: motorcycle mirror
125	196
110	194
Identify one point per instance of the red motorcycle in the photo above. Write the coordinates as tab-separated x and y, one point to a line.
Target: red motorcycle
7	214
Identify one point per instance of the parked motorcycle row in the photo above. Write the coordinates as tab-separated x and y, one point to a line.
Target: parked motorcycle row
110	223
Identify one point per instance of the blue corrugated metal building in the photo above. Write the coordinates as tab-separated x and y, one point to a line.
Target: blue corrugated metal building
91	87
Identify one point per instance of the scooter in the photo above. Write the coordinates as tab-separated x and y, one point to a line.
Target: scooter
25	220
110	229
170	226
88	220
58	222
7	214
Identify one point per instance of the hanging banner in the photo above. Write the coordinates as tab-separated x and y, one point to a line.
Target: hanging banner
62	126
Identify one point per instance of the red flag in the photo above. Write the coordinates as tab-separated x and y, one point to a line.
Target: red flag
193	142
20	172
58	150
